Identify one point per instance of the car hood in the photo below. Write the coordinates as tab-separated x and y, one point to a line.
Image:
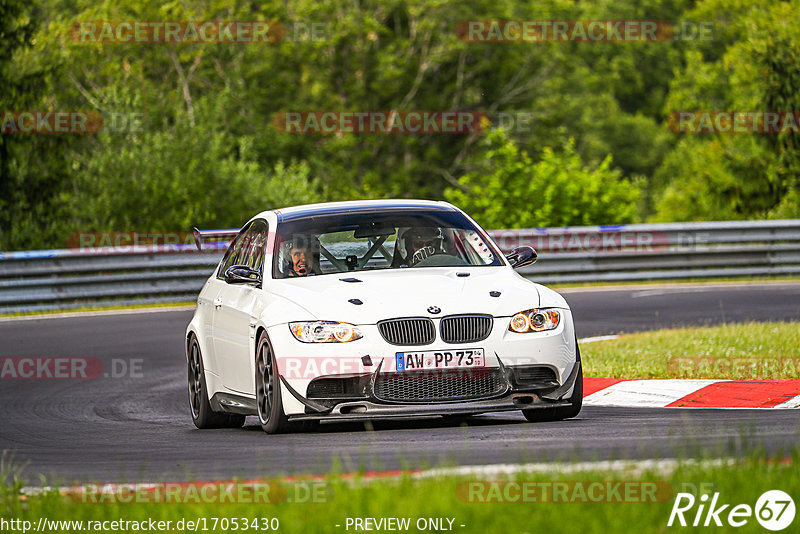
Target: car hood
409	293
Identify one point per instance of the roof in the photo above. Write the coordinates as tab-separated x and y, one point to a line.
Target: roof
356	206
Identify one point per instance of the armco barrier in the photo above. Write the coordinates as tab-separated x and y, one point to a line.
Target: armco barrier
61	279
659	251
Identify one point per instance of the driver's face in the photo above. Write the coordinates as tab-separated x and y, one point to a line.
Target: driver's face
299	257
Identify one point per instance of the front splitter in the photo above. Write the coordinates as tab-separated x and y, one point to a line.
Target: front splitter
366	410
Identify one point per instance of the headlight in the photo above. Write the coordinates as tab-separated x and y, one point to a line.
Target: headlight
324	332
536	320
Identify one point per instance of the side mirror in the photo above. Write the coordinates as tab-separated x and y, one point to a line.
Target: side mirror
242	274
521	256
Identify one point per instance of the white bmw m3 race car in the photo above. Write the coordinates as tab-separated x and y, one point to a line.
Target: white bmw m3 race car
376	309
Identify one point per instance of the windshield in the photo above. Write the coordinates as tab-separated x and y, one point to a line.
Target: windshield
352	242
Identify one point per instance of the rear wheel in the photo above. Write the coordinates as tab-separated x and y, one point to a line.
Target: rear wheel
540	415
202	414
268	389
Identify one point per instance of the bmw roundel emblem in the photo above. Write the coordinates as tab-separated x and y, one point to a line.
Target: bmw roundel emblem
434	310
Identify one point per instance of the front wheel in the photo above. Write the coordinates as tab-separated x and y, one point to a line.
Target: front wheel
202	414
268	389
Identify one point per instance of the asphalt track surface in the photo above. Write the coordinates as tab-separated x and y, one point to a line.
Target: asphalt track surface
138	428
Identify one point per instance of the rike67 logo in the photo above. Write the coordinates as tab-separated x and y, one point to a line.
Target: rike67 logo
774	510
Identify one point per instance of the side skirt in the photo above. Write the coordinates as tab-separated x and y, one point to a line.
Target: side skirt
230	403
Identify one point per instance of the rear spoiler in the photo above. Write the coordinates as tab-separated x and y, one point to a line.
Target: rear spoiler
219	237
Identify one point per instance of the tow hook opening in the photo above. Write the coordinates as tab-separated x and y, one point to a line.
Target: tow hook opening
524	400
353	409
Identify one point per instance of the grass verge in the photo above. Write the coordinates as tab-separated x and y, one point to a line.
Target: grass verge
563	500
90	308
742	351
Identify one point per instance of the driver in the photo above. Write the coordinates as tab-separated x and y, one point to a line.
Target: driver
300	255
422	243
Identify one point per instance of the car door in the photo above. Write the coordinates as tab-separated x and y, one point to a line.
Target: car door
208	303
236	308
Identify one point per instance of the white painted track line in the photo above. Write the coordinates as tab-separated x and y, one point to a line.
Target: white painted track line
794	402
596	338
645	393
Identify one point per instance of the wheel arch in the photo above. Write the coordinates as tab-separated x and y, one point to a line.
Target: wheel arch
260	330
190	333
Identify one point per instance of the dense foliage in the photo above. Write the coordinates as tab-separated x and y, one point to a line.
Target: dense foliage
557	190
192	140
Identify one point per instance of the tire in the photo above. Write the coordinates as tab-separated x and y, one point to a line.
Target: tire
202	415
268	390
541	415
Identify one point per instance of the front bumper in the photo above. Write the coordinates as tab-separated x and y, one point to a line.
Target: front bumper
301	364
513	397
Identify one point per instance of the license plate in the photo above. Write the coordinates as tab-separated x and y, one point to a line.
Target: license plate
439	359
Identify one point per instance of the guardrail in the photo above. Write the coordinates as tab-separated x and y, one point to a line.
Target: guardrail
68	278
670	251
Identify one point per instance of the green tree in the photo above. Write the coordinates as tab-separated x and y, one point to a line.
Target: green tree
752	65
513	191
175	179
32	169
209	109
